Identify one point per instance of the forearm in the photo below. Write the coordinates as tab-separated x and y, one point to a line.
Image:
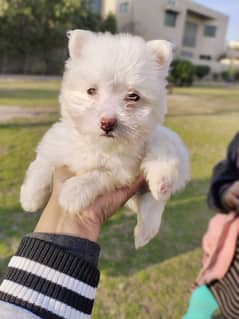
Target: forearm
51	279
54	272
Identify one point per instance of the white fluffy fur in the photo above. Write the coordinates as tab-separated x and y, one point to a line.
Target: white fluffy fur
114	65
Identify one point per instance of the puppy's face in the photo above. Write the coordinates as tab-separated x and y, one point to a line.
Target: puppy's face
114	86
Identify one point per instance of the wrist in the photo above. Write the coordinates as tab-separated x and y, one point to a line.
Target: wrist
62	223
86	225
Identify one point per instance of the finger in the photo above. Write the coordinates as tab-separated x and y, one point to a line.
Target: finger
234	188
106	205
136	185
235	192
236	185
234	202
122	195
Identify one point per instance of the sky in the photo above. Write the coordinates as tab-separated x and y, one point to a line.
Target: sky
229	7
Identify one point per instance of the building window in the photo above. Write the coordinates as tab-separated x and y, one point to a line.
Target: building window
205	57
95	6
186	54
171	2
210	31
170	18
190	35
124	7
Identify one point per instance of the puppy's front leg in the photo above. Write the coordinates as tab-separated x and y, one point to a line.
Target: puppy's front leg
80	191
35	190
166	164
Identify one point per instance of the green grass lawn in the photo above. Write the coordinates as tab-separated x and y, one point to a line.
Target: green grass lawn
29	93
152	282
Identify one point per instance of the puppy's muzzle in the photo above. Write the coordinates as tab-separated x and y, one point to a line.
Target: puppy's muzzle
108	124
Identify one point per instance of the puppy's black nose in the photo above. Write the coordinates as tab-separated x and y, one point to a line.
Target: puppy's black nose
108	124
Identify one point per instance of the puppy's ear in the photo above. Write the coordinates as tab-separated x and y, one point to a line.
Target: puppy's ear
77	38
163	51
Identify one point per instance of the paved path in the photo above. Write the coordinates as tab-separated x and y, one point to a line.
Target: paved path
12	112
20	77
8	113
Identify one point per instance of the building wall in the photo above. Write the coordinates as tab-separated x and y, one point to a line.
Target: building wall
212	46
147	19
109	6
153	26
124	19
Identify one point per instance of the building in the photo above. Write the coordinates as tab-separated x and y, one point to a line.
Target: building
197	32
231	58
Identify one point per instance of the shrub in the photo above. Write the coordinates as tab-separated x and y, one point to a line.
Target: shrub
236	76
201	71
55	61
225	75
109	24
216	76
182	73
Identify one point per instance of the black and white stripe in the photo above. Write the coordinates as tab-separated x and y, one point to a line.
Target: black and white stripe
226	290
49	281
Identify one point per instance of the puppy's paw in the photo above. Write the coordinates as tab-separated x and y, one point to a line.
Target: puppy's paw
74	196
161	188
32	199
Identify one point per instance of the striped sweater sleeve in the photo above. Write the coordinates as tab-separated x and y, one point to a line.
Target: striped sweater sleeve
49	281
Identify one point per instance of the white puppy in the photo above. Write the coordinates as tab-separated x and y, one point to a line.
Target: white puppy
113	99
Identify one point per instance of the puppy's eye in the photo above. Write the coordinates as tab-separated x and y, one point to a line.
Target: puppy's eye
92	91
132	97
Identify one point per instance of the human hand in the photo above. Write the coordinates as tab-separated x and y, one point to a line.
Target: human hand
231	197
87	223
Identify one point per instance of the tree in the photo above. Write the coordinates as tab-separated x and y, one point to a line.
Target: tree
38	28
109	24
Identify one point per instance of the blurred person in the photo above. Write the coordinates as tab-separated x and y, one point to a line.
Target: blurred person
54	273
217	286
